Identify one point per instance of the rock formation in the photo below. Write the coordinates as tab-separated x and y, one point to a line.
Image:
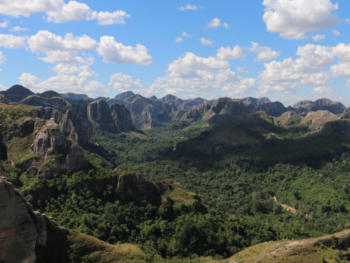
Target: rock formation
275	109
114	118
58	153
320	104
124	95
75	96
251	103
21	228
17	93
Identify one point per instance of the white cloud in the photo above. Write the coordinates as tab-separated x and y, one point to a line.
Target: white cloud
244	86
45	41
62	49
228	53
206	42
11	41
66	69
178	39
216	22
342	51
112	51
225	76
86	72
63	83
292	19
191	75
58	11
336	32
242	69
184	34
189	7
2	87
341	70
18	28
4	24
108	18
2	58
322	89
192	66
263	52
124	82
308	70
318	38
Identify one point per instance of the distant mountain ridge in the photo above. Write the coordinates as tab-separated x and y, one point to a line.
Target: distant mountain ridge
153	112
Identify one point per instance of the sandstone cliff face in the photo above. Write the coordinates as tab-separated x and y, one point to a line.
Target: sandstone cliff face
21	228
3	99
58	152
275	109
320	104
226	108
72	126
121	118
114	118
251	103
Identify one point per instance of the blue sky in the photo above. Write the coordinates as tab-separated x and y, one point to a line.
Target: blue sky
288	50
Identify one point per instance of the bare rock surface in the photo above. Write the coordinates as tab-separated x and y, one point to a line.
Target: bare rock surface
21	228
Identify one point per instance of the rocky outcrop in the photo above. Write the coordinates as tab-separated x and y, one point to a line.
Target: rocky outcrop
251	103
320	104
75	96
114	118
58	103
99	115
58	153
3	99
124	95
17	93
21	228
49	94
227	109
275	109
196	114
121	118
72	126
148	113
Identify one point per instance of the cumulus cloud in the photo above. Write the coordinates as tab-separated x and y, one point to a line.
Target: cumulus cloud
184	34
206	42
242	69
216	22
2	87
192	75
178	39
62	49
11	41
66	69
4	24
244	86
108	18
58	11
124	82
189	7
318	38
191	66
336	32
112	51
308	70
63	83
292	19
228	53
18	28
323	89
263	52
2	58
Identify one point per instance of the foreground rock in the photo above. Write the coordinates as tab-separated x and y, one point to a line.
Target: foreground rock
27	236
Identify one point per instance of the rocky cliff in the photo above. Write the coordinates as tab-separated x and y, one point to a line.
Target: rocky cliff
17	93
114	118
27	236
275	109
320	104
21	228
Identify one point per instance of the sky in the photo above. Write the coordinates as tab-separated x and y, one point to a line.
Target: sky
287	50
